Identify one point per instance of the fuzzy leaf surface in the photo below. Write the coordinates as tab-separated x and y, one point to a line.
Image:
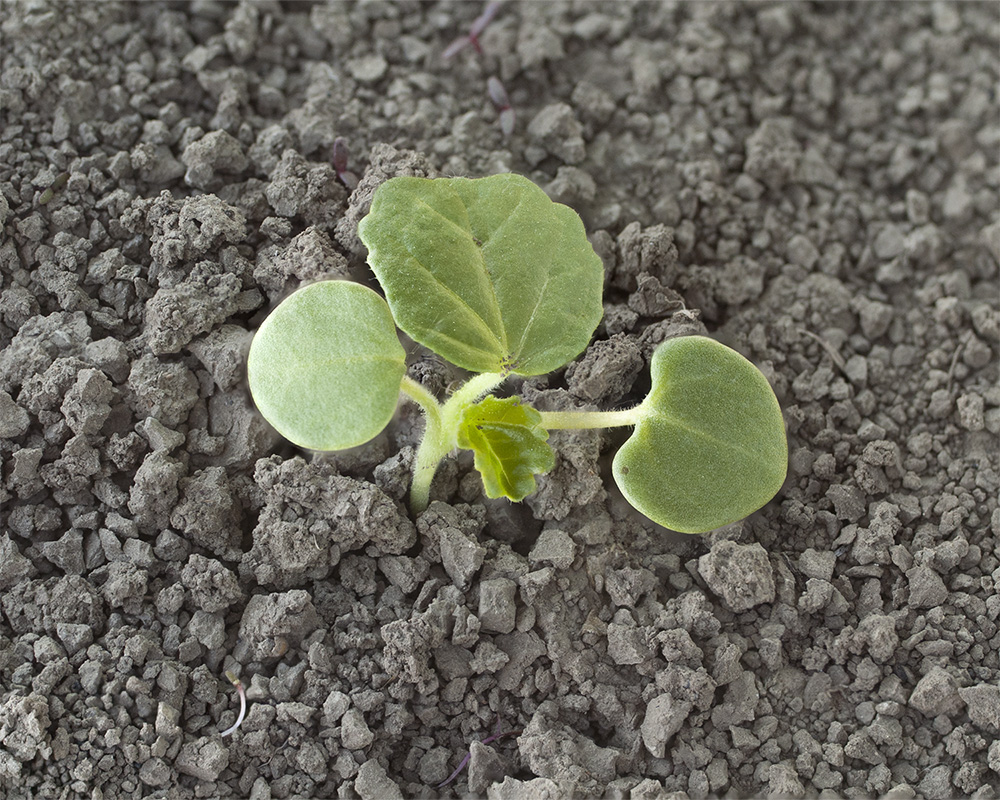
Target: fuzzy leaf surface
509	444
710	445
326	365
488	273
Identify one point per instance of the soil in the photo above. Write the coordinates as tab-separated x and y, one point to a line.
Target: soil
815	184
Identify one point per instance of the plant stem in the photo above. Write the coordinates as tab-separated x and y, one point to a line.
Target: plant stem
421	396
579	420
441	432
431	449
243	703
474	388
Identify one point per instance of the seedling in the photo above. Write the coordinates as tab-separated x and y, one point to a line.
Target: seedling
472	37
498	94
57	185
339	160
235	681
494	277
495	89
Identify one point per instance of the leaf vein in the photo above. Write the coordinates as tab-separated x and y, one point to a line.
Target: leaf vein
726	444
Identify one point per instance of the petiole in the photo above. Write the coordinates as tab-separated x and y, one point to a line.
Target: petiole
582	420
441	432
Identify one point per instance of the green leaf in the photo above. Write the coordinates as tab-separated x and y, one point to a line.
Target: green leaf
709	448
509	444
326	365
488	273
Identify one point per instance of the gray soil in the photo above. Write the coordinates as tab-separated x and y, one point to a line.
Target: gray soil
815	184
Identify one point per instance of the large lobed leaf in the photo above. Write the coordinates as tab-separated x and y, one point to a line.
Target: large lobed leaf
326	365
509	445
710	446
488	273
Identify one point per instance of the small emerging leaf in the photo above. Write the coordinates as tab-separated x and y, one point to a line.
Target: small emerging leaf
488	273
326	365
710	446
509	444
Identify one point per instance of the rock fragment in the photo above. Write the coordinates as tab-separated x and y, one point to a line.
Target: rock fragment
333	514
88	402
165	391
936	693
216	153
553	547
606	371
39	342
773	153
983	701
556	131
310	256
554	750
461	556
273	623
740	575
178	313
24	727
665	715
497	608
927	590
154	491
14	420
203	759
535	789
372	783
354	731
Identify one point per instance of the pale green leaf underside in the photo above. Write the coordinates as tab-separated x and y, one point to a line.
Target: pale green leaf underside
509	445
326	365
488	273
710	446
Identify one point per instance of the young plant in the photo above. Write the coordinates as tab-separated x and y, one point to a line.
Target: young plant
235	681
494	277
339	158
498	94
472	37
495	89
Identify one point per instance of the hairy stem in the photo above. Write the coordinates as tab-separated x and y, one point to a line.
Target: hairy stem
579	420
431	449
441	433
474	388
421	396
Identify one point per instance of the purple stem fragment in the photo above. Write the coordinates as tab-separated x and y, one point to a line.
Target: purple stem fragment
472	37
498	94
339	160
458	770
243	703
